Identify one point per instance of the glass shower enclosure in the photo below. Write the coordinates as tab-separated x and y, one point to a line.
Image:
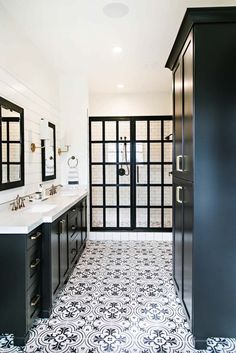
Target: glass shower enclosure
131	173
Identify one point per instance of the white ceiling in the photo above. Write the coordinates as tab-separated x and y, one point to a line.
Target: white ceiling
75	35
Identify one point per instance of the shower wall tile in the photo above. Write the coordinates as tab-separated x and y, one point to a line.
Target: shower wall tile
132	236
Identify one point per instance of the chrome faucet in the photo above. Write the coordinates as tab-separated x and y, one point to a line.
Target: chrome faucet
18	203
52	190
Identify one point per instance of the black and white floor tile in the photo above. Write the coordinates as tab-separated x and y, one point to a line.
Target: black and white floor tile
119	299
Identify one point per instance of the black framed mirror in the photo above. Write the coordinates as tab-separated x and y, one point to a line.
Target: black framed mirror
12	168
49	155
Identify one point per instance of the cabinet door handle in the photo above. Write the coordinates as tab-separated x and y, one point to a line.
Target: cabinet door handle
36	236
35	300
73	251
178	199
73	227
178	159
35	263
74	209
61	225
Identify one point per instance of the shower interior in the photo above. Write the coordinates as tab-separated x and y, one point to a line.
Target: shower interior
131	173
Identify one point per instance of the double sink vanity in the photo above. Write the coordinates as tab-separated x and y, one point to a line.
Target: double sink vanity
39	247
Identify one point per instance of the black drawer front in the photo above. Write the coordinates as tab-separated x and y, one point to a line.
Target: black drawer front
72	224
75	244
33	302
33	265
34	238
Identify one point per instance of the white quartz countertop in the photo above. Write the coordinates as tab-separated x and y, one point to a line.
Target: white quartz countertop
28	218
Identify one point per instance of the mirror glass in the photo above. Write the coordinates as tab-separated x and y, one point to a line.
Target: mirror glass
12	145
49	155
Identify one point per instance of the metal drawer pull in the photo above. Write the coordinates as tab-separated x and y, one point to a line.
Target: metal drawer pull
74	209
35	300
178	194
178	159
36	236
35	263
73	251
73	227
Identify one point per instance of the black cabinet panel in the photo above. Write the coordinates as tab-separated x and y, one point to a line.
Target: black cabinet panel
203	60
55	256
187	62
187	246
178	121
178	234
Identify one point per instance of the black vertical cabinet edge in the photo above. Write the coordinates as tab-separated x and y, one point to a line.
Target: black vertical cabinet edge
198	16
46	286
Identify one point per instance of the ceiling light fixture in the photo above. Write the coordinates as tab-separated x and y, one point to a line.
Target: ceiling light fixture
117	50
116	10
120	85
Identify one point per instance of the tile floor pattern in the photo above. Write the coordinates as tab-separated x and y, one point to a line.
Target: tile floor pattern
119	299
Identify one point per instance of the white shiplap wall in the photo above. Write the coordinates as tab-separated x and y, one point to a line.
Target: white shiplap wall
35	108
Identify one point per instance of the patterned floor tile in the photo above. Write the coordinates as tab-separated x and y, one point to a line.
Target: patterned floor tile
119	299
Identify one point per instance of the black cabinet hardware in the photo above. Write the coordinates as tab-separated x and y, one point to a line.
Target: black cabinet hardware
35	263
35	300
36	236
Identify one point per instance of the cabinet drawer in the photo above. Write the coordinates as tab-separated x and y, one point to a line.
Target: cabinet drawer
33	265
75	244
34	238
72	224
33	302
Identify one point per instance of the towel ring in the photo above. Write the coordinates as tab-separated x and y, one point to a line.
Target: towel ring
70	162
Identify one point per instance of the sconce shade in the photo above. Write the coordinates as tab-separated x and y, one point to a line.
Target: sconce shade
44	130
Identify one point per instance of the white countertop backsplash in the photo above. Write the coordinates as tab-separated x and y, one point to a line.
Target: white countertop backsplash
24	221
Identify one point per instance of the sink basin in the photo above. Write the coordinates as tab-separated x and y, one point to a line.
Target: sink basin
40	208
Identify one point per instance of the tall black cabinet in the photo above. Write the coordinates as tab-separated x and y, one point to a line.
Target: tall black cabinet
204	169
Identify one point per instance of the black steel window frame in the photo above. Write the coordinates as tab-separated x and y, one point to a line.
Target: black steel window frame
133	165
11	106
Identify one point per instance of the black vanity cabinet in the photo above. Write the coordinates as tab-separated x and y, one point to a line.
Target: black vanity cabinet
204	172
62	245
59	252
20	294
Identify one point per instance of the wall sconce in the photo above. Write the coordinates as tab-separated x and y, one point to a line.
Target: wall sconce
44	134
65	144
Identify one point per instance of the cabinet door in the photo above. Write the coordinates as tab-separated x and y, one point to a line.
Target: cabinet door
187	246
178	234
79	225
187	59
84	221
178	121
55	251
64	261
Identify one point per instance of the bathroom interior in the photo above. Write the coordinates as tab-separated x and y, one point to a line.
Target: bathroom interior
117	207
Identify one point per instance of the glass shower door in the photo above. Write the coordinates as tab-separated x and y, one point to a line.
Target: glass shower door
153	173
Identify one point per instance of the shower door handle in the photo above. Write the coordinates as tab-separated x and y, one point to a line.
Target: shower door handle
137	174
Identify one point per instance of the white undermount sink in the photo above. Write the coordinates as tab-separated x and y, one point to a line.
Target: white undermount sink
40	208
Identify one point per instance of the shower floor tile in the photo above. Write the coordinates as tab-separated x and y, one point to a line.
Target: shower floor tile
120	299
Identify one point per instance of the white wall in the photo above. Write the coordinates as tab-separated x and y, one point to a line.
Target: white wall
74	114
129	104
28	81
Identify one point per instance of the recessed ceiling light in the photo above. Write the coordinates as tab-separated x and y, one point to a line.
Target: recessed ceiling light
116	10
117	50
120	85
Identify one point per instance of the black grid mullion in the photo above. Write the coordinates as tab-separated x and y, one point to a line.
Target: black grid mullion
117	176
148	174
104	173
162	173
8	152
